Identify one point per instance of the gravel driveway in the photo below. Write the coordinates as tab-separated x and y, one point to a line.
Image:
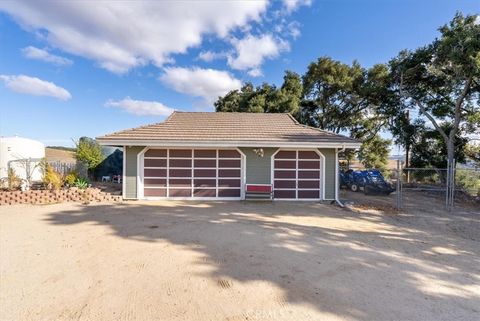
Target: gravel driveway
236	261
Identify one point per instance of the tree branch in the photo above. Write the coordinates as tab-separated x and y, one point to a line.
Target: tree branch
458	107
433	121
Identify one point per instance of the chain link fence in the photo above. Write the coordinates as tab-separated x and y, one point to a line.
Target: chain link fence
449	185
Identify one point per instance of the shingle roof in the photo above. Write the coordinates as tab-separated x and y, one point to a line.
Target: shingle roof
225	127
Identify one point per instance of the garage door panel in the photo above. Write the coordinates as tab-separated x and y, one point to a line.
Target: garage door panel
229	183
304	154
179	162
284	194
205	163
233	163
180	153
204	182
192	173
150	172
180	173
285	183
308	184
178	192
155	192
286	154
280	164
309	174
204	192
296	175
155	182
205	153
205	173
228	153
229	173
156	153
314	194
285	174
155	162
308	164
229	192
180	182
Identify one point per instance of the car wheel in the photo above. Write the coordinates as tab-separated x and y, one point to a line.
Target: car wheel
354	188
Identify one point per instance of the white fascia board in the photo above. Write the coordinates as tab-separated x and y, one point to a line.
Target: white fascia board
230	144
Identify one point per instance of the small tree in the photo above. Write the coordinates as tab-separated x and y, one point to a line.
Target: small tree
441	81
14	180
374	152
89	152
51	179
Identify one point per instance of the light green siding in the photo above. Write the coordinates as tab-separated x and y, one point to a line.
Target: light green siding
258	169
330	176
131	174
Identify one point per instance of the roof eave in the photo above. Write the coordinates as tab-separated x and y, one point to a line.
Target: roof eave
206	143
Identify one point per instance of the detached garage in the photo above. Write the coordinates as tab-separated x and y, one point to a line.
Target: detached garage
229	156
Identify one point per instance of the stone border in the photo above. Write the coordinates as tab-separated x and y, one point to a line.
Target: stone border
50	197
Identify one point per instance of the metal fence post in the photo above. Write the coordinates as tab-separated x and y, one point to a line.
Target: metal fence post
450	186
399	186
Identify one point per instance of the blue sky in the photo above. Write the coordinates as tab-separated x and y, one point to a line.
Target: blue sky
71	69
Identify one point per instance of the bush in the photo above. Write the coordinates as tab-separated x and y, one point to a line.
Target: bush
51	179
81	183
14	180
70	178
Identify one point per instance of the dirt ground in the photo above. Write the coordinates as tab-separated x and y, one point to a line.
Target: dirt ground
237	261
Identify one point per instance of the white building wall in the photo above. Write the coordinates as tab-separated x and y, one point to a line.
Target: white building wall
17	148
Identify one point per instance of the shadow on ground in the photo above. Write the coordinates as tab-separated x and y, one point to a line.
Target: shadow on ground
354	265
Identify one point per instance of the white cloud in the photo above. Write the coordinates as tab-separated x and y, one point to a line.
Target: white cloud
121	35
256	72
141	107
42	54
251	51
34	86
209	56
292	5
208	84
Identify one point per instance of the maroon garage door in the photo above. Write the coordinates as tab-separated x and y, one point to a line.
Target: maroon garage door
297	175
192	173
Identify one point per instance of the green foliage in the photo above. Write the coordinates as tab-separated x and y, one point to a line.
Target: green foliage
429	149
70	178
468	180
435	87
51	179
81	183
473	152
13	179
374	152
265	98
441	81
89	152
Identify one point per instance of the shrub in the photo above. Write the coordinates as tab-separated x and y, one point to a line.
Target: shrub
14	180
81	183
51	179
71	178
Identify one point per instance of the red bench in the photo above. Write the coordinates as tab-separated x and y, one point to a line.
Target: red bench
258	191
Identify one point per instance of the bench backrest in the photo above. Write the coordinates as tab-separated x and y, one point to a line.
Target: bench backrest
259	188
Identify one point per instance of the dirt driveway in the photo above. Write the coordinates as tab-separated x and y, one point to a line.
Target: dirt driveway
236	261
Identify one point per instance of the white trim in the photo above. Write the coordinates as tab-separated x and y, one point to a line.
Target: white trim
140	174
321	188
124	172
222	144
140	178
323	173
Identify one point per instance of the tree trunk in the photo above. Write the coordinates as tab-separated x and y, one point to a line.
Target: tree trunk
407	161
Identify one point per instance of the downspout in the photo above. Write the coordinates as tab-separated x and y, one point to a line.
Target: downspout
337	176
